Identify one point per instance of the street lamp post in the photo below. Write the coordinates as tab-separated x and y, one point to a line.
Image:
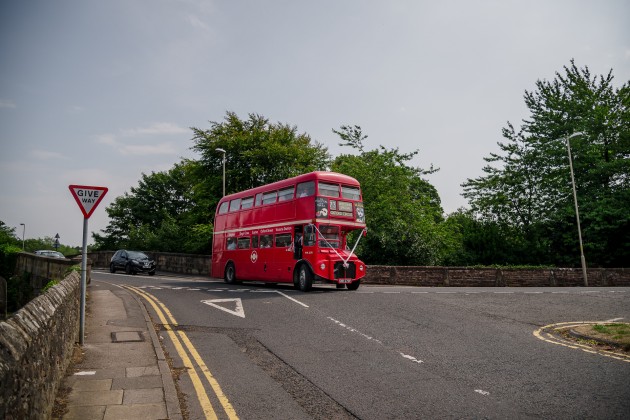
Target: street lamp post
577	212
23	231
222	151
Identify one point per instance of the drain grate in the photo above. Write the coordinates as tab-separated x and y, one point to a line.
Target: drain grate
126	337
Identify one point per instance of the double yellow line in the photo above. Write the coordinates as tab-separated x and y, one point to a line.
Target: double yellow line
167	319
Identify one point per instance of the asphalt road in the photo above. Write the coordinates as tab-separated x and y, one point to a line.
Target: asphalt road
391	352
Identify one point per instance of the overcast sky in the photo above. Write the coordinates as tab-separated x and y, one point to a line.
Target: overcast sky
97	92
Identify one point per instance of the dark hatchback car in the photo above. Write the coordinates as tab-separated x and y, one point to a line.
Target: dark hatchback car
132	262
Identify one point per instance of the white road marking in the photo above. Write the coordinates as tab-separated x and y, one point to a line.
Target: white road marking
482	392
290	298
238	309
353	330
413	359
86	373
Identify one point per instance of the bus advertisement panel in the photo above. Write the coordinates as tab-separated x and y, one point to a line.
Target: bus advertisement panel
297	230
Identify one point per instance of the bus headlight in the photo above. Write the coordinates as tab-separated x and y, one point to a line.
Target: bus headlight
361	267
322	266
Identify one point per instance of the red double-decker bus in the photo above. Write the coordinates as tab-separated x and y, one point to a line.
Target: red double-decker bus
295	230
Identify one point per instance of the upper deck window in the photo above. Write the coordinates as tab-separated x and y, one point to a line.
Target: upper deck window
247	203
258	201
235	204
269	197
285	194
351	193
224	207
328	190
305	189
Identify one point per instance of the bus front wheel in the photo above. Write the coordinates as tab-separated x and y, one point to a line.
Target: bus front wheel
230	274
305	278
354	285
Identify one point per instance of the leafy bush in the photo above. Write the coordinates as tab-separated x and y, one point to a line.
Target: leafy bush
19	291
8	259
50	284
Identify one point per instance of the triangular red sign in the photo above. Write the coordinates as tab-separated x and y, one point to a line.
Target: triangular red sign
87	197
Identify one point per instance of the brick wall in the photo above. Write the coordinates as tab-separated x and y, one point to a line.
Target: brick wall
36	346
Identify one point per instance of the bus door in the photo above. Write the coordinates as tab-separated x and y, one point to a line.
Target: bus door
308	243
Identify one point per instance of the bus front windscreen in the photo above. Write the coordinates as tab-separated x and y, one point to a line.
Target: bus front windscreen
329	237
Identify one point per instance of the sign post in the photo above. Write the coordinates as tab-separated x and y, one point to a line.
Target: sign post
88	198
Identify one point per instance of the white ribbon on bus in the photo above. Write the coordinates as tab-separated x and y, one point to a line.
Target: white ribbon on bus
345	261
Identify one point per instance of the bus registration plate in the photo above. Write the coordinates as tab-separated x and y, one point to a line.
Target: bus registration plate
345	281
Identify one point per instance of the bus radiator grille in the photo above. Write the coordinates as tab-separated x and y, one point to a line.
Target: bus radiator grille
345	273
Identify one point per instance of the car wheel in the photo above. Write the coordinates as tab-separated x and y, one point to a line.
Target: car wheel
305	278
128	269
151	273
112	268
230	274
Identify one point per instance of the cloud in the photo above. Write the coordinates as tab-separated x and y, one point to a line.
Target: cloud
196	23
6	103
108	139
75	109
47	155
149	149
155	129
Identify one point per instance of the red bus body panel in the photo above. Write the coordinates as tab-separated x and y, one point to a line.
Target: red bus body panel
247	229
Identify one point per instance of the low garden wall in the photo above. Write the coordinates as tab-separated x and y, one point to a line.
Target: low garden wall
36	346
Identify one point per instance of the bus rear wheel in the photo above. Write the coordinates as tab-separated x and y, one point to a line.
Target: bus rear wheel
304	278
230	274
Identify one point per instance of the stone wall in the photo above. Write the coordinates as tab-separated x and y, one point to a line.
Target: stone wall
43	269
494	277
36	346
166	262
417	276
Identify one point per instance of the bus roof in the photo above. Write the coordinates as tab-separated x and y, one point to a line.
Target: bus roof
311	176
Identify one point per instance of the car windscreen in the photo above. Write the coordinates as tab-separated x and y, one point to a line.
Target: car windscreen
135	255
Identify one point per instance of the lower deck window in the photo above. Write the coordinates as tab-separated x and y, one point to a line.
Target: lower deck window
266	241
283	240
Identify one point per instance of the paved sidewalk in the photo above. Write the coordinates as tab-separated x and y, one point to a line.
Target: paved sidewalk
123	374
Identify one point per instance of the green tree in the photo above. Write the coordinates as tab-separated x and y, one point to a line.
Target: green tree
527	187
403	210
257	152
174	210
161	214
7	235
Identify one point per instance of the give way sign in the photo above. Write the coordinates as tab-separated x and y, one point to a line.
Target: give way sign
87	197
